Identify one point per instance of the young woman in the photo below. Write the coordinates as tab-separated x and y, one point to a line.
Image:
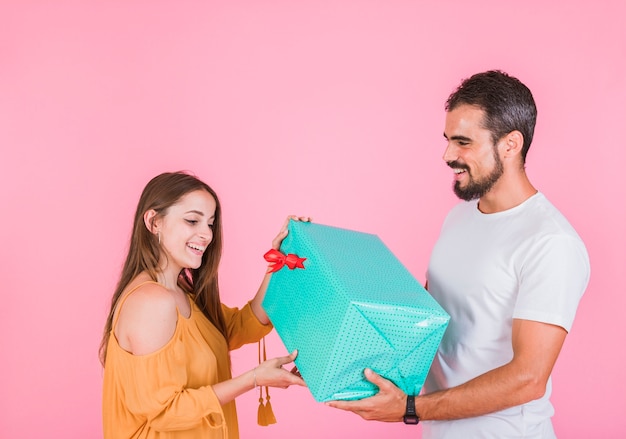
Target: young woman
166	342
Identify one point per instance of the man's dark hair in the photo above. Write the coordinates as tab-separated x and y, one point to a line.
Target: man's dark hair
508	104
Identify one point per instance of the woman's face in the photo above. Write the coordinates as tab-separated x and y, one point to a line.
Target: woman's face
186	230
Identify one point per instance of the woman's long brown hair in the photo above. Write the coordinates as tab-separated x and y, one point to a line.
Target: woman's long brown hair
160	193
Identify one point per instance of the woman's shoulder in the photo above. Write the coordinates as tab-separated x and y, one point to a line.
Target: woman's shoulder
147	317
142	285
144	294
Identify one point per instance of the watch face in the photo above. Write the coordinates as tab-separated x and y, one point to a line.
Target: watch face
411	419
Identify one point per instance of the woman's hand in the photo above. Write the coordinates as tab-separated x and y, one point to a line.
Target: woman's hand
276	242
270	373
255	303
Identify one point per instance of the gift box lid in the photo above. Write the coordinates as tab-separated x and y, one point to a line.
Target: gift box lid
353	306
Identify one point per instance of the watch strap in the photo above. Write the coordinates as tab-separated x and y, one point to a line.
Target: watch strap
410	416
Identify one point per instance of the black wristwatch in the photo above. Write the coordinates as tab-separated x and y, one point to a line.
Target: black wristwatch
410	417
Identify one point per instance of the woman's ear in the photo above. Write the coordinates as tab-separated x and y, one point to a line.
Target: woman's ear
150	221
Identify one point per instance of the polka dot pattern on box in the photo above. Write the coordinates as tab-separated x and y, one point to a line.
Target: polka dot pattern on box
353	306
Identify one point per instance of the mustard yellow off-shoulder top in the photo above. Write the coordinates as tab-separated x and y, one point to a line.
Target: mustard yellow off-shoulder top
168	393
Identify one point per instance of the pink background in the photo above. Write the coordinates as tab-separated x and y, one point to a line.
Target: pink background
332	109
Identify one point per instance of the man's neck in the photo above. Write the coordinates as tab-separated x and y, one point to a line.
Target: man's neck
507	193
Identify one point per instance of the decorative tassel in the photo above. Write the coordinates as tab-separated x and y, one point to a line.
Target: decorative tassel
269	413
261	419
265	414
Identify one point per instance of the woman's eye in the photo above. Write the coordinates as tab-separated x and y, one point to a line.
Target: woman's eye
192	222
211	226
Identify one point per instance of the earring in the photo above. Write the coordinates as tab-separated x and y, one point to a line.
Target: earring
159	235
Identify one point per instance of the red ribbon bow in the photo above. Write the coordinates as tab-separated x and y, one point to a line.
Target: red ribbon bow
277	260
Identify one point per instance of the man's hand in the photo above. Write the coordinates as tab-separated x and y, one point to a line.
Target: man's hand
388	405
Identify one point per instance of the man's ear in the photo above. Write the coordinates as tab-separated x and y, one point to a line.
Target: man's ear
150	221
512	144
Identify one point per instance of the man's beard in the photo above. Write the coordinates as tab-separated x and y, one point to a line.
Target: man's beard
477	188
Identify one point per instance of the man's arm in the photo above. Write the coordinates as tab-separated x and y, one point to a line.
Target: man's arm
536	347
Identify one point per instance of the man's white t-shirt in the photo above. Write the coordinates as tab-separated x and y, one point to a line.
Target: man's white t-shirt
486	270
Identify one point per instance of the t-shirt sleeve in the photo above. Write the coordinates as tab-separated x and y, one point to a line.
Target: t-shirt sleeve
553	278
243	326
154	388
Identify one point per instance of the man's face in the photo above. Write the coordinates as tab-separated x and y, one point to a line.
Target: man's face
471	153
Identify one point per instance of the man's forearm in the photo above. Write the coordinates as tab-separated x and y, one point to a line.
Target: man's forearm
495	390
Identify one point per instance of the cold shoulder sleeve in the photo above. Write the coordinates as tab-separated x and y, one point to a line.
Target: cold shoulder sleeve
156	389
146	396
153	391
170	389
243	326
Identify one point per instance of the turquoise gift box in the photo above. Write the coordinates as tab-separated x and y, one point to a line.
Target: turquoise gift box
353	306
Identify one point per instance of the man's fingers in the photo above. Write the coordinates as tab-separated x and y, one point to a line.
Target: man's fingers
376	379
